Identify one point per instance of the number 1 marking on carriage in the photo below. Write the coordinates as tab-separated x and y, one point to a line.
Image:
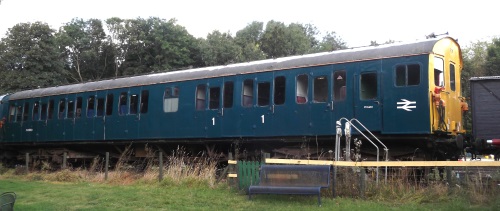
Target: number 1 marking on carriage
262	117
213	121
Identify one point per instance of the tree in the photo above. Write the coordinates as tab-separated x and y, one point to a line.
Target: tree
493	58
117	40
273	41
279	40
219	49
154	45
30	59
249	40
330	42
474	59
88	54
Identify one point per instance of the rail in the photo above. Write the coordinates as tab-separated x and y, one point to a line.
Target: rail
349	123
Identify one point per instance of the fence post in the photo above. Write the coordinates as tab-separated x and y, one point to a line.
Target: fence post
160	166
362	182
264	157
448	177
106	167
231	170
334	181
27	162
241	168
65	156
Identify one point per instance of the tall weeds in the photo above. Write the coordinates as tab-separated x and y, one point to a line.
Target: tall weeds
179	168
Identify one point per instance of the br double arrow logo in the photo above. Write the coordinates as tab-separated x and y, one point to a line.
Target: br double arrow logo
406	104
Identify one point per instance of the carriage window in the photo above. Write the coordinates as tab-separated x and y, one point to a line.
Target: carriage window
36	109
368	86
90	107
12	113
71	109
247	99
79	105
264	93
452	77
171	100
413	74
134	100
279	90
109	105
228	94
438	71
320	89
302	89
62	109
144	101
339	85
16	113
51	109
122	109
100	106
25	111
407	75
44	112
400	75
214	98
201	93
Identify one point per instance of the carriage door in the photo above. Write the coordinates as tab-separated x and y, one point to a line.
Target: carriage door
367	103
321	109
214	114
342	96
133	116
83	116
263	116
42	124
101	99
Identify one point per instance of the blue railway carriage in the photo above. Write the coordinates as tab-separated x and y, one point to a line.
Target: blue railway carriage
408	94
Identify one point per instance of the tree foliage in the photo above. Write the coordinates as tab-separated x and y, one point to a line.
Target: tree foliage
493	58
88	50
279	40
88	53
248	39
330	42
219	49
155	45
30	58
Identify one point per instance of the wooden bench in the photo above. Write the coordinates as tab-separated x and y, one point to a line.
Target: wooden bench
292	179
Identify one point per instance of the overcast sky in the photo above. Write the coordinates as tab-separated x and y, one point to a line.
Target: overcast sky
357	22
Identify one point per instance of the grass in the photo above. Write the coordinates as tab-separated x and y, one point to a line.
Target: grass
190	184
43	195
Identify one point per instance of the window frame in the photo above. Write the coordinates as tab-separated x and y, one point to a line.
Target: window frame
171	99
440	78
247	85
320	93
201	97
407	75
302	89
279	87
339	85
365	83
452	76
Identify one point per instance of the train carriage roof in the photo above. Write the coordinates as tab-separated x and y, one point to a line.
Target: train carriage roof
310	60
